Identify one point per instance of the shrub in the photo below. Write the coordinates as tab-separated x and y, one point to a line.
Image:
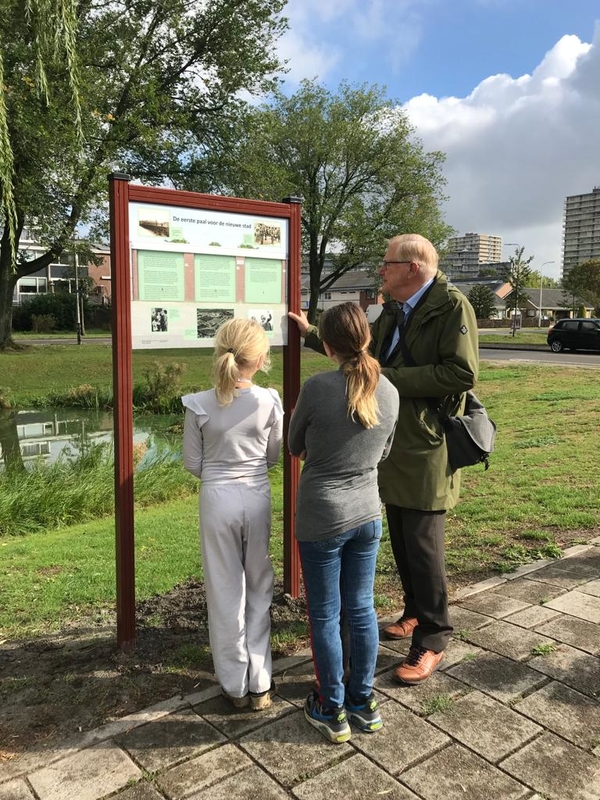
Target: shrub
6	399
99	317
83	396
43	323
61	306
161	392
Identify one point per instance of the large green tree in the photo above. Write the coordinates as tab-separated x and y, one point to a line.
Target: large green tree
535	279
156	87
354	158
50	29
517	274
583	281
483	300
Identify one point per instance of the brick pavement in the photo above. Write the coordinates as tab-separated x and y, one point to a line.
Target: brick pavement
513	712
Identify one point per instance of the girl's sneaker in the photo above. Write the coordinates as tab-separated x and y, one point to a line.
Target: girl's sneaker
364	715
259	701
237	702
331	722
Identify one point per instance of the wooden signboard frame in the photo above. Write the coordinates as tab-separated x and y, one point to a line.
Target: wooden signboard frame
121	194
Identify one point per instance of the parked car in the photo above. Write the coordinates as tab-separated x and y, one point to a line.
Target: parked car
574	334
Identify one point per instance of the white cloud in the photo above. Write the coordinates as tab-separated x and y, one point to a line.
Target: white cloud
305	59
516	147
321	33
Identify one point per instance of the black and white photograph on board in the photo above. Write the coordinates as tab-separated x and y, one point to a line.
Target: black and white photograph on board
209	320
264	317
159	321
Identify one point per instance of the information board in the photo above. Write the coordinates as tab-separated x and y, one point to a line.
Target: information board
193	269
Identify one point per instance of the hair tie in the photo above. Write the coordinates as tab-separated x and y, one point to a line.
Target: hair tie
230	349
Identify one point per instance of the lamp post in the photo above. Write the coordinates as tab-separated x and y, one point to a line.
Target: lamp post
541	287
77	306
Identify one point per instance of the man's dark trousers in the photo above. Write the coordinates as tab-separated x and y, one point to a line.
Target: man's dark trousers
417	539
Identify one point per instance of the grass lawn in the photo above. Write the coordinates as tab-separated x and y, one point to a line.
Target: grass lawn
540	494
24	336
526	336
33	372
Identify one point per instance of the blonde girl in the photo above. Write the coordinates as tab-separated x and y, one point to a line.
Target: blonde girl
232	435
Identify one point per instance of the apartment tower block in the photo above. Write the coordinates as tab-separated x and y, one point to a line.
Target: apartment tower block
466	253
581	229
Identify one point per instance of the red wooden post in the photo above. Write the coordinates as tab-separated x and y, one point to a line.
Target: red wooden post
291	388
123	408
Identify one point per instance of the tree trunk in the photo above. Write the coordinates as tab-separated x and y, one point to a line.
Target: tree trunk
8	279
10	274
9	442
315	268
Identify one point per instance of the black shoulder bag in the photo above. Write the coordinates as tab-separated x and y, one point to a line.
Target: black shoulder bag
469	438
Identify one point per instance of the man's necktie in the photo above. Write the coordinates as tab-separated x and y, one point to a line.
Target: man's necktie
400	315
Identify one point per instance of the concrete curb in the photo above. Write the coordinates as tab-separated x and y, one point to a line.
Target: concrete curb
525	569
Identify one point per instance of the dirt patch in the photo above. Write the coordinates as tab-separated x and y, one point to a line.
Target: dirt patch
77	679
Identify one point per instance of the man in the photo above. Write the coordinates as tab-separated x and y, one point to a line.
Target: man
427	344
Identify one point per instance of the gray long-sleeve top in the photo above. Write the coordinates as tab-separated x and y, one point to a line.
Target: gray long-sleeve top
338	485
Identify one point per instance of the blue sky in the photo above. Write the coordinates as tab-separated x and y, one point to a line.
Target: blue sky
508	89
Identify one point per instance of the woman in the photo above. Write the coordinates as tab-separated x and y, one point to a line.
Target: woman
232	434
343	424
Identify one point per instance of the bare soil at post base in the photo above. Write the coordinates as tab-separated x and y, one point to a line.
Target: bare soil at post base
72	681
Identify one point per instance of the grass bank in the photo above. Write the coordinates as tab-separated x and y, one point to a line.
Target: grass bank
41	374
81	489
31	374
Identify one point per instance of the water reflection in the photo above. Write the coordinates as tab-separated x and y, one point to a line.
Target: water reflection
30	437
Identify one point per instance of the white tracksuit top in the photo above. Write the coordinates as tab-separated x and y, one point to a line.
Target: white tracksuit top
238	441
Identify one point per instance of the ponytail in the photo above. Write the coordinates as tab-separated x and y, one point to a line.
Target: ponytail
362	376
345	329
226	376
239	343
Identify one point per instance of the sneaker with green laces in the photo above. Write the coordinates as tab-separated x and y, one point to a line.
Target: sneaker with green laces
332	723
364	715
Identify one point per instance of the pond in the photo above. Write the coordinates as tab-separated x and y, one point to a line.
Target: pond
32	436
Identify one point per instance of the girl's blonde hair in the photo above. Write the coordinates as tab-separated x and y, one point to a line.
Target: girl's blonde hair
239	344
346	331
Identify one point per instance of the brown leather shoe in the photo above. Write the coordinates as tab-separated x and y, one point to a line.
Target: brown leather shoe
401	629
417	666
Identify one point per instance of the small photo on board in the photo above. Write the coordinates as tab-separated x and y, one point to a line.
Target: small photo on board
267	234
154	222
264	317
209	320
159	320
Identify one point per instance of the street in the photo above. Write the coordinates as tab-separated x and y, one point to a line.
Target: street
541	357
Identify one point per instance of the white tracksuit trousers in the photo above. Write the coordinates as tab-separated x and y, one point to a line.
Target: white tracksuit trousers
235	526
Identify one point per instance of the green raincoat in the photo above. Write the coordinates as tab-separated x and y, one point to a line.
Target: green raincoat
441	334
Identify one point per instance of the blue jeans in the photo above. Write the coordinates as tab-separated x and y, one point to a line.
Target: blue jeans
340	572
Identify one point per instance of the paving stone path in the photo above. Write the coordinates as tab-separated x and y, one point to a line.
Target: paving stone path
513	712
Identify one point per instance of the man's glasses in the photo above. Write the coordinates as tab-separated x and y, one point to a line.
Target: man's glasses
386	264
